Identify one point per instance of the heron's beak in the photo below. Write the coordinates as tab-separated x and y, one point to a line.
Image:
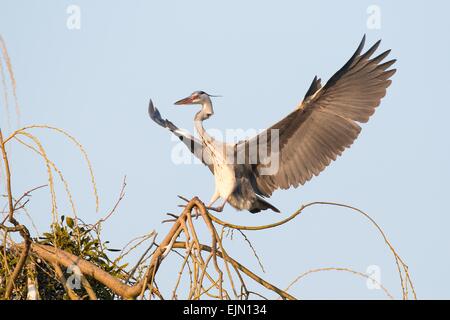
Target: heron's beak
187	100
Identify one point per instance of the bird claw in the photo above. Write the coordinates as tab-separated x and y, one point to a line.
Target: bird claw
216	209
196	213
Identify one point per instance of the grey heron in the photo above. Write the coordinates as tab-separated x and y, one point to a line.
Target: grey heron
318	130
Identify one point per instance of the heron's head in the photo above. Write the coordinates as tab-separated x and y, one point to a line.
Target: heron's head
196	97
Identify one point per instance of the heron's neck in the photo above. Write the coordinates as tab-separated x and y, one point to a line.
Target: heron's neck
206	112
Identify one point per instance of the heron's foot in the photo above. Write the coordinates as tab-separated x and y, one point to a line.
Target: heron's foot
216	209
175	217
197	213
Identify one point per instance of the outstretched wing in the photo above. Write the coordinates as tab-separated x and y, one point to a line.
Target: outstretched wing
193	144
324	124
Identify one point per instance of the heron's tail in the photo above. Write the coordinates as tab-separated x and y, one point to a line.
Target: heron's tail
261	204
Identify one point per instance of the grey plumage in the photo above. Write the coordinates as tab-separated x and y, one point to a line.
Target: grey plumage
309	138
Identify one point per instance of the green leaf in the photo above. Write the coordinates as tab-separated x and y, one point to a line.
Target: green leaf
70	222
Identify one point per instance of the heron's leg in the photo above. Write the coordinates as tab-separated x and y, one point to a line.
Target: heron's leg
219	208
214	198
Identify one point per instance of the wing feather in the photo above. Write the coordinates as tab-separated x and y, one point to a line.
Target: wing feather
325	123
192	143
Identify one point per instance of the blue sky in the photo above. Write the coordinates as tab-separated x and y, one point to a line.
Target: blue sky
261	56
